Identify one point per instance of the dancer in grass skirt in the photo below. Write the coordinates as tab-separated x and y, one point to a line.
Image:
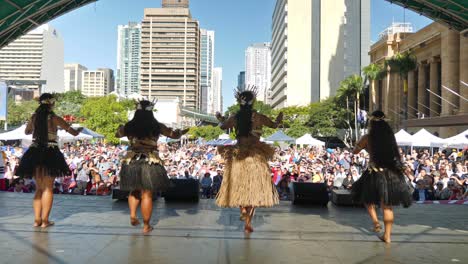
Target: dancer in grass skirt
247	179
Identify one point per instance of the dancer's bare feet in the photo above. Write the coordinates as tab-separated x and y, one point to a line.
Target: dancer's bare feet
147	229
248	229
243	214
385	239
46	224
377	228
37	223
134	221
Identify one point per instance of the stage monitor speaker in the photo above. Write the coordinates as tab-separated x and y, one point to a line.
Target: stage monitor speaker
183	190
310	193
343	198
118	194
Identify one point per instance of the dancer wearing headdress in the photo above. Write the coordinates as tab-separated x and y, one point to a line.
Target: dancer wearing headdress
383	183
43	160
143	170
247	179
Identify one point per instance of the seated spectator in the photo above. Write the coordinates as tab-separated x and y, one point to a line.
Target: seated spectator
329	179
456	191
217	180
348	181
18	186
339	177
421	193
283	187
441	193
57	188
206	182
317	176
302	176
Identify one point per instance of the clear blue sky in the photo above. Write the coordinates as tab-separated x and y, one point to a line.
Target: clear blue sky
90	33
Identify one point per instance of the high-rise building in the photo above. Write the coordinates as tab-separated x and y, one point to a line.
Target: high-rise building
35	61
171	69
315	45
217	90
73	74
98	83
175	3
206	69
258	68
241	80
128	58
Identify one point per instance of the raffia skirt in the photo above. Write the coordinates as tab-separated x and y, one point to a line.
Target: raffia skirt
143	171
382	186
247	176
49	158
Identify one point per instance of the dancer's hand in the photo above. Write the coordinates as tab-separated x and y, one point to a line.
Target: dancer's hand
220	117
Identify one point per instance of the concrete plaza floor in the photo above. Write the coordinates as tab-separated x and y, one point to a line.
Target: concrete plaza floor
93	229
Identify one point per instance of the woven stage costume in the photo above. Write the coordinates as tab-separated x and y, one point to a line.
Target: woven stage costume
247	179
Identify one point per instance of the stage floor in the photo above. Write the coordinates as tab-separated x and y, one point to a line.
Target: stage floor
93	229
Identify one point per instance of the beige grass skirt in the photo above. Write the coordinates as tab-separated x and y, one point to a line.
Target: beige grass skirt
247	176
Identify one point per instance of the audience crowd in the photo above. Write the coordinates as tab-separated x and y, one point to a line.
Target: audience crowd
95	168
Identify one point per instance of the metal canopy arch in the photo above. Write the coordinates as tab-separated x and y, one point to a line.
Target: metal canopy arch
17	17
452	13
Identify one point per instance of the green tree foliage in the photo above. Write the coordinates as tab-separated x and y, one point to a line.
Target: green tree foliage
259	106
20	112
326	117
205	132
69	103
104	115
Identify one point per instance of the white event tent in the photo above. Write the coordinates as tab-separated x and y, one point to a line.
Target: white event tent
18	134
403	138
458	141
424	138
307	139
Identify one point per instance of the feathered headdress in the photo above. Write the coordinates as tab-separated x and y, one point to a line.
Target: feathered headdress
49	101
149	107
240	93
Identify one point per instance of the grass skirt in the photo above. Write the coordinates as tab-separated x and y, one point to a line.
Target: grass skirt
47	157
139	173
384	185
247	176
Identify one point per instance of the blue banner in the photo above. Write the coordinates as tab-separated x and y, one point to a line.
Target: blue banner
3	100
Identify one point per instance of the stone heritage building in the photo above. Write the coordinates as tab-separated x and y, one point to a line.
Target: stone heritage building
437	89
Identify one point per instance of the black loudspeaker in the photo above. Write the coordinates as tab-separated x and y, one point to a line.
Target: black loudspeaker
182	190
343	198
118	194
309	193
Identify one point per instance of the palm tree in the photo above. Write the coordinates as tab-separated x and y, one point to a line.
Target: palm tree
352	87
403	63
373	72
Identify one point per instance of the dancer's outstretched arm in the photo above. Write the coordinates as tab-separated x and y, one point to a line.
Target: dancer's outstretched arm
63	124
30	126
171	133
226	123
266	121
362	144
